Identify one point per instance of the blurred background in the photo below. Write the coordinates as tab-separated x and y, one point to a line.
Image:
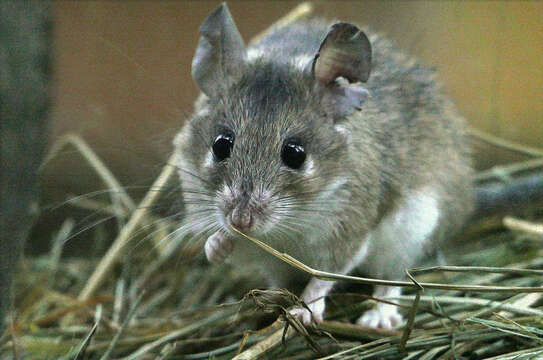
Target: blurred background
122	75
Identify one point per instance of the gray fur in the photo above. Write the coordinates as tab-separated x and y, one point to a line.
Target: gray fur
362	164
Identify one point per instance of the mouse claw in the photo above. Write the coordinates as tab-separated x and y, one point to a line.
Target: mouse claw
218	247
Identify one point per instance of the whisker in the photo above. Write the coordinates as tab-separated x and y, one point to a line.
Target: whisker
88	228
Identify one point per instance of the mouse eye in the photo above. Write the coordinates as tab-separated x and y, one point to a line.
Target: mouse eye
222	146
293	154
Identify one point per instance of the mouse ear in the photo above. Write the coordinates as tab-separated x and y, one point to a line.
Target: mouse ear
345	52
344	57
220	55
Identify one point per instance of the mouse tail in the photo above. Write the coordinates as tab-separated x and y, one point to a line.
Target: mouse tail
511	197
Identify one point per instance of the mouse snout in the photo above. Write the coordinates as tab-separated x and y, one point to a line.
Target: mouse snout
241	218
246	211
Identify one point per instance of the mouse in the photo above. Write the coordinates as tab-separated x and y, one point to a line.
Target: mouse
327	143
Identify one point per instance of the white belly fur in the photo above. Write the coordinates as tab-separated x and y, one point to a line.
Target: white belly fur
400	238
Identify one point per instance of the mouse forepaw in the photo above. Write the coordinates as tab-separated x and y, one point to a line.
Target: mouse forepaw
218	247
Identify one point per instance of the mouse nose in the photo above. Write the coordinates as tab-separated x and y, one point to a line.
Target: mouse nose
241	218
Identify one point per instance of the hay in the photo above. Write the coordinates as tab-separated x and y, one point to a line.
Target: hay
145	301
186	312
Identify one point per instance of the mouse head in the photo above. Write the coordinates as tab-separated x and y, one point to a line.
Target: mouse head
264	151
344	58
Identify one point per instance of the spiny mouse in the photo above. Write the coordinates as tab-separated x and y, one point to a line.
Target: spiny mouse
326	144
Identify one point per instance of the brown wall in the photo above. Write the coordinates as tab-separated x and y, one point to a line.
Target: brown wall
123	69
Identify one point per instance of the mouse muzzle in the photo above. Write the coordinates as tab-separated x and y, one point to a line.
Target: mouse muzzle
245	210
241	218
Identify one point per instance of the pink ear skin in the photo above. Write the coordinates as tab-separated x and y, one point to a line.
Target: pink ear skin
346	96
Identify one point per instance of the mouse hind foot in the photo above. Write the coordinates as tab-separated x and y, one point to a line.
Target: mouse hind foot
384	316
